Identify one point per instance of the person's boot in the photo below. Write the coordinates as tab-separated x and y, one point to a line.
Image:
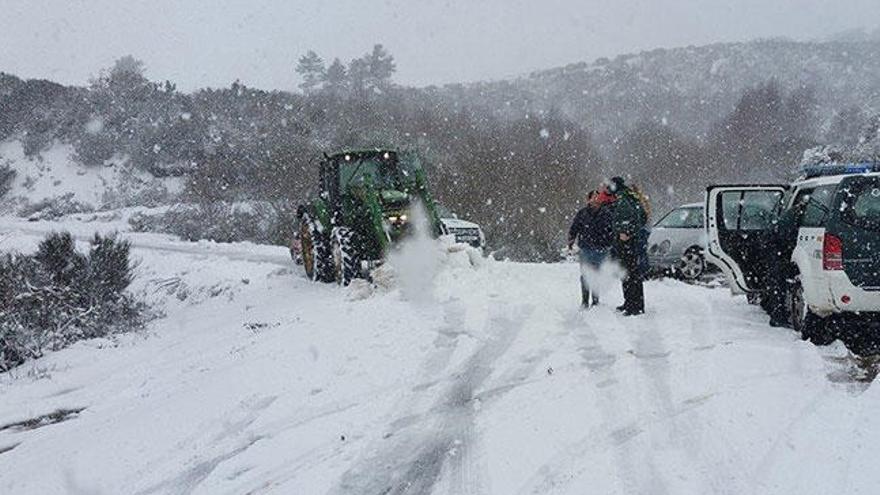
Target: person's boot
633	312
621	308
778	322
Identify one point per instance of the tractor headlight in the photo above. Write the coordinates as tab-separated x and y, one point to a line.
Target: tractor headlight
396	220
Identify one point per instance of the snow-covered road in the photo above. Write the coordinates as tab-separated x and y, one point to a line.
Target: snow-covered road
257	381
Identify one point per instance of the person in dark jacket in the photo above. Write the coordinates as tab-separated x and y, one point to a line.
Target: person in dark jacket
778	254
591	229
628	220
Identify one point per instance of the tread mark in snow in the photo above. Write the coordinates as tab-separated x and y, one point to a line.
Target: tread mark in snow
190	479
51	418
412	461
7	448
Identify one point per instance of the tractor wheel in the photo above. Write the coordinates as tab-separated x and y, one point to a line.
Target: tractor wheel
810	326
346	262
315	251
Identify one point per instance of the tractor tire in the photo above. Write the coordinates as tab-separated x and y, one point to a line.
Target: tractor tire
803	320
346	262
316	257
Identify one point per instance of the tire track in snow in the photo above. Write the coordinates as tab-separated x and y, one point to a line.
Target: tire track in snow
566	465
619	381
413	459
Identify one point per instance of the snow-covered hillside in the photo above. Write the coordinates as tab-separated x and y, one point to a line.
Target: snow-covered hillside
54	174
258	381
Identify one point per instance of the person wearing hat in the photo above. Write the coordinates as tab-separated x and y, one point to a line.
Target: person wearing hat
591	229
628	220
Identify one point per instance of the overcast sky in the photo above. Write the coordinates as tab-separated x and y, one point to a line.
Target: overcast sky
211	43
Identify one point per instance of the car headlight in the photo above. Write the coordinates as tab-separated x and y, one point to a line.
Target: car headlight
665	247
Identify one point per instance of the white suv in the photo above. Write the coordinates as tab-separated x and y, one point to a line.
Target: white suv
830	221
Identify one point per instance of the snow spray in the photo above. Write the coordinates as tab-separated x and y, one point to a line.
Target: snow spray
415	261
604	278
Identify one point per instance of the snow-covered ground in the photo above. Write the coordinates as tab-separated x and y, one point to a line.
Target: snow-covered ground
491	381
53	174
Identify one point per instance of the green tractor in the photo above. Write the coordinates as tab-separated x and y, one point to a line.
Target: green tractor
364	207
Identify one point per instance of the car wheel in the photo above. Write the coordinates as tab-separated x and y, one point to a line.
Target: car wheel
803	320
692	264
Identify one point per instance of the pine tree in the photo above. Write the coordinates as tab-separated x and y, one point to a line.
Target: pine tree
372	72
311	69
380	67
336	78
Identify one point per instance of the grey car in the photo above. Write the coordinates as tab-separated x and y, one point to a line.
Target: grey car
678	241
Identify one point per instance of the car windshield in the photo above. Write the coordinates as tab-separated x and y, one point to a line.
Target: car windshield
683	218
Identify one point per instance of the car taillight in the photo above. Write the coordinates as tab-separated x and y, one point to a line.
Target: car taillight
832	253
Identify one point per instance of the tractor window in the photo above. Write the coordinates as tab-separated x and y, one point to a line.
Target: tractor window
408	164
359	171
384	171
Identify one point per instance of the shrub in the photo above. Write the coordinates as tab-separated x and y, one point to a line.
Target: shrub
55	207
59	296
219	222
7	174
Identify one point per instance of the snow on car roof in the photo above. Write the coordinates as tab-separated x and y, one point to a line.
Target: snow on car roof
830	179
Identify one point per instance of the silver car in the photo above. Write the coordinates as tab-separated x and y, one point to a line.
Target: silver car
678	241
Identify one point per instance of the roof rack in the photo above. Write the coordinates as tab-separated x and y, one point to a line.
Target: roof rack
828	169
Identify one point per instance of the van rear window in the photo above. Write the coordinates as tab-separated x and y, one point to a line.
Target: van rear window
861	203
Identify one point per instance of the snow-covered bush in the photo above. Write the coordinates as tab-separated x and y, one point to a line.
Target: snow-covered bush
218	222
6	176
136	188
59	296
868	148
820	155
55	207
865	149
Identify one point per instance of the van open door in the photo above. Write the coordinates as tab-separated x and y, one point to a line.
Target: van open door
740	223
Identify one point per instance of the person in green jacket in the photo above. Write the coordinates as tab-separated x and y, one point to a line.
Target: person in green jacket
628	220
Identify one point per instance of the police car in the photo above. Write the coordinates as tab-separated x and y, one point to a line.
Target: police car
833	274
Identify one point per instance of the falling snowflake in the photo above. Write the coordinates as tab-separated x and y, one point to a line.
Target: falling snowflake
94	126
